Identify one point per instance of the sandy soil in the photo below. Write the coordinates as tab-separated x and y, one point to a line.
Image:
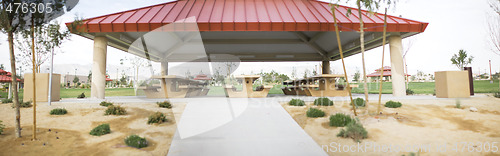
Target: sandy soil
419	124
69	134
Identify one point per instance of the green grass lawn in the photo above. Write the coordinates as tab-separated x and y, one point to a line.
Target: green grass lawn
483	86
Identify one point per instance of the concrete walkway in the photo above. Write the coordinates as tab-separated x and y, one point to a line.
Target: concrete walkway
239	126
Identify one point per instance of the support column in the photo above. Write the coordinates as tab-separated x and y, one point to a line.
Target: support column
325	67
397	66
164	68
10	91
99	67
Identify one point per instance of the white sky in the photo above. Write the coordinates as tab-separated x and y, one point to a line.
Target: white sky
453	25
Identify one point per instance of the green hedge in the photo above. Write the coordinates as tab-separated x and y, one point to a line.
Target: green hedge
136	141
115	110
297	102
340	120
315	113
157	117
323	102
164	104
58	111
100	130
359	102
393	104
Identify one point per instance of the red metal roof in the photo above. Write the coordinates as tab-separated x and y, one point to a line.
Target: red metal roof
4	78
387	72
248	15
2	71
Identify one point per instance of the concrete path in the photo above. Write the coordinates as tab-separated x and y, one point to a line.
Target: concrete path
239	126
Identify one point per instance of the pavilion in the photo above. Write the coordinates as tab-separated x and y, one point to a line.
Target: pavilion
387	74
249	30
5	77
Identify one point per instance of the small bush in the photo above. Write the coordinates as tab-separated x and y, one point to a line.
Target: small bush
7	101
58	111
409	92
157	117
497	95
115	110
323	102
297	102
393	104
164	104
340	120
314	113
354	130
359	102
106	104
81	96
1	127
136	141
100	130
23	104
457	104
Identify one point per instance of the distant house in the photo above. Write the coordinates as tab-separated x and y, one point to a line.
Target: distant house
387	75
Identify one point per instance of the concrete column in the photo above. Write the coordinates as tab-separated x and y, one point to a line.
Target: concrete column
164	68
10	91
397	66
99	67
326	67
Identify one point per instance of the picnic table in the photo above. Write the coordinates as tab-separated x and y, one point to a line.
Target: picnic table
247	91
176	87
317	86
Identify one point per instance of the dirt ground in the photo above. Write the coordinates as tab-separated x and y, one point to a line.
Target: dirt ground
425	127
69	134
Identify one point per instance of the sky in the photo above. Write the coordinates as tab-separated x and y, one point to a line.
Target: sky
453	25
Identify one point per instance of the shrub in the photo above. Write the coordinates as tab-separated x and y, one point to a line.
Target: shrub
359	102
457	104
340	120
58	111
136	141
354	130
497	95
409	92
314	113
297	102
115	110
23	104
164	104
393	104
1	127
81	96
100	130
106	104
7	101
157	117
323	102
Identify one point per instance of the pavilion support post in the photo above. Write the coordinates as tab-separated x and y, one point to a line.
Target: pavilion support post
99	67
164	68
10	91
325	67
397	67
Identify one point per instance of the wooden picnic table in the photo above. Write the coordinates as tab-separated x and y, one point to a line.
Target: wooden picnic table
317	86
248	91
176	87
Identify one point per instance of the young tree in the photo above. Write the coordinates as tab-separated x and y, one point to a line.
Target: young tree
76	80
356	76
2	67
494	27
48	38
461	59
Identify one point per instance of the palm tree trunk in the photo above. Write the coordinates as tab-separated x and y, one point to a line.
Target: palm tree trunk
14	83
362	41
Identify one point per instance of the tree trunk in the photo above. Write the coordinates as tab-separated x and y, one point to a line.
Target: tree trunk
362	41
15	100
